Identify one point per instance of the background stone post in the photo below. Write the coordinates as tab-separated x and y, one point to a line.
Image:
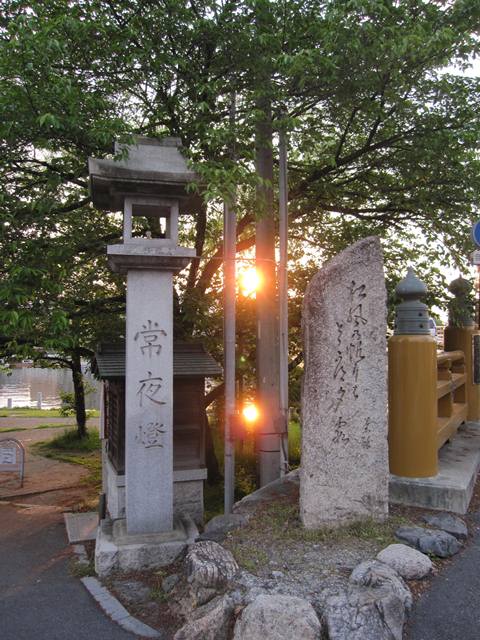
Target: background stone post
462	334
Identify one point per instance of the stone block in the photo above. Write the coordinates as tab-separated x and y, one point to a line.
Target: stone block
278	617
117	550
209	569
453	525
360	613
188	498
115	489
409	563
432	541
375	574
344	474
210	622
187	492
81	526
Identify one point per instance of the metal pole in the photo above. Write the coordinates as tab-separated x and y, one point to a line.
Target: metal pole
283	298
477	314
229	284
229	243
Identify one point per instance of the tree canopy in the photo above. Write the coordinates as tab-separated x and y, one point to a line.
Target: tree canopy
382	141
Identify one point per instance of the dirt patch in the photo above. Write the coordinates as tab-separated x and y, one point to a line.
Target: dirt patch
159	608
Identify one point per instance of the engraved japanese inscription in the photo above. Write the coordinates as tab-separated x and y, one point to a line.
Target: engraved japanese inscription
148	389
347	363
149	338
151	435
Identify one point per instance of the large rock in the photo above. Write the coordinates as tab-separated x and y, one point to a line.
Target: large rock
374	574
278	617
286	487
217	528
213	621
453	525
365	614
344	474
409	563
433	541
209	568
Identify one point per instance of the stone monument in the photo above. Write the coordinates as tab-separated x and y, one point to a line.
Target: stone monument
344	474
149	182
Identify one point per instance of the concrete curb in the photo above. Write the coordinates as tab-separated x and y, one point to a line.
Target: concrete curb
117	612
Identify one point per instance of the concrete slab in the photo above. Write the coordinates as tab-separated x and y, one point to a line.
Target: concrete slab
116	550
81	526
452	488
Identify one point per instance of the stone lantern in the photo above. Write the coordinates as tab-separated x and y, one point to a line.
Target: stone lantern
149	184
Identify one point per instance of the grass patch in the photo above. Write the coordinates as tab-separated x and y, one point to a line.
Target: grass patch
25	412
251	558
69	441
40	426
55	426
282	521
294	443
213	500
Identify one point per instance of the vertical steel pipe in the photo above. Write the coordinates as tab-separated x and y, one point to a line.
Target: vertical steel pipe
229	273
283	298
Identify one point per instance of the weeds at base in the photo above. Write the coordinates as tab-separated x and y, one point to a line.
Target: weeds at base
80	569
279	524
159	595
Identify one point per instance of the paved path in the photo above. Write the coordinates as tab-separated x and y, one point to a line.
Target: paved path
450	609
39	599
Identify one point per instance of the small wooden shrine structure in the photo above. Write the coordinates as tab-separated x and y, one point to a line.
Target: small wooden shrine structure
191	366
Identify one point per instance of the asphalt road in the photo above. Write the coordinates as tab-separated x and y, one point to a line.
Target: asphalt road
39	598
450	609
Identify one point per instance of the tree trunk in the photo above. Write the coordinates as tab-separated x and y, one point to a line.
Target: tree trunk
79	391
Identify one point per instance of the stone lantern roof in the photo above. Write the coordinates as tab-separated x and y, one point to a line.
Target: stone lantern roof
151	167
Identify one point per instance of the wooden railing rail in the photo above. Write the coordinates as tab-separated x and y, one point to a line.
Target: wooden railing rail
451	395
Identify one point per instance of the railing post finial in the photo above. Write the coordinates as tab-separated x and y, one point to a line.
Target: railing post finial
460	307
411	314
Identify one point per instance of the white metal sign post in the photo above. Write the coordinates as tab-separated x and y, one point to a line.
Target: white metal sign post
12	457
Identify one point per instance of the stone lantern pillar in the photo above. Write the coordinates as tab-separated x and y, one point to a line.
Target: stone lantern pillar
150	186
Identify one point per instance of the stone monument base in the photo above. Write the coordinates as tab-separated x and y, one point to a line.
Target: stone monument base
116	550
